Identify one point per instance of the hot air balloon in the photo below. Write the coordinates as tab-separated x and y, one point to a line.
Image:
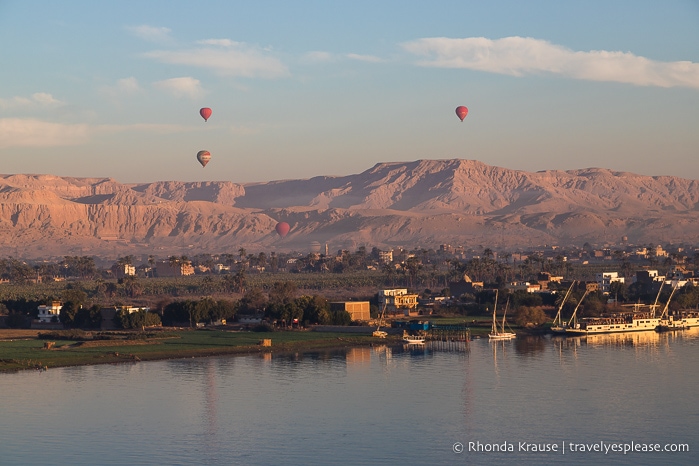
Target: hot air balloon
203	156
205	113
282	228
461	112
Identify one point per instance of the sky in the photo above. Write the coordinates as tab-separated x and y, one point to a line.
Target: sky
309	88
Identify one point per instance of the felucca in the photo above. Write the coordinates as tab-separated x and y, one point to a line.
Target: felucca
499	333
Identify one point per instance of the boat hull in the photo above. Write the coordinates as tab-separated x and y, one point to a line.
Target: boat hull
414	341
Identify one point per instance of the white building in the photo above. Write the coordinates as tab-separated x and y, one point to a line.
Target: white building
605	279
397	300
47	313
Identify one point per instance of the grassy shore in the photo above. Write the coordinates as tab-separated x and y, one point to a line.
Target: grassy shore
28	351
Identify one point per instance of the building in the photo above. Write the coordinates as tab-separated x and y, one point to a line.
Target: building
524	286
648	277
123	270
397	301
605	279
385	257
464	286
108	315
358	310
49	313
173	269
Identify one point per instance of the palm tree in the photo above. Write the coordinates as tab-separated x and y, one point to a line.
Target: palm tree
240	281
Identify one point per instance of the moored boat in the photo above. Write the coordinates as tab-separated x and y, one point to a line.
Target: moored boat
499	333
413	339
678	320
629	322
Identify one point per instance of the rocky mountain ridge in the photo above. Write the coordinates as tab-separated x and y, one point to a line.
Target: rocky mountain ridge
422	203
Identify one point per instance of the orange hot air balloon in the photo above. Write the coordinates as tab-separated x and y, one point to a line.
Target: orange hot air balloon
282	228
203	156
205	113
461	112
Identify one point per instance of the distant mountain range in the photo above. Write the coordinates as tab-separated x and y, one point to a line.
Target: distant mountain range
411	204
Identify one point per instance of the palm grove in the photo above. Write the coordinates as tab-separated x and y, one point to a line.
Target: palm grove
269	285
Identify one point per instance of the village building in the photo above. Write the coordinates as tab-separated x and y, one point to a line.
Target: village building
108	315
465	286
358	310
385	257
49	313
605	279
123	270
524	286
398	301
174	269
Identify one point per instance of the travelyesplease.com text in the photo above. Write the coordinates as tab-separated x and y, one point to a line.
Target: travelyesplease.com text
568	447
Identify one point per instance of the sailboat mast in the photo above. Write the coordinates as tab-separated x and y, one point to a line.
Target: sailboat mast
495	306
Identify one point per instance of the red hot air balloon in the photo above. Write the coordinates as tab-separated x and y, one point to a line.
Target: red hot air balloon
282	228
205	113
203	156
461	112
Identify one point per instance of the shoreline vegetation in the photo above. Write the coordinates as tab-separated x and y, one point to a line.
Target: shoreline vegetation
23	349
42	350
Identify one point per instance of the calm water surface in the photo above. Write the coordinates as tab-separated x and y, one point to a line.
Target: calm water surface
367	406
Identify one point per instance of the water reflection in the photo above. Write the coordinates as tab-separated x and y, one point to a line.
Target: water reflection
529	345
369	405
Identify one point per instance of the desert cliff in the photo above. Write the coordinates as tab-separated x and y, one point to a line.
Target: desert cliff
422	203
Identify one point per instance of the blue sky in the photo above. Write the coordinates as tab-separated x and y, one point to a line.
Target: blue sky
306	88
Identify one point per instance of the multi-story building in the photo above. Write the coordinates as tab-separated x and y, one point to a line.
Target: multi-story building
605	279
47	313
398	301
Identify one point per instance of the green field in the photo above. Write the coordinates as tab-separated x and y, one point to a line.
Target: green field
31	354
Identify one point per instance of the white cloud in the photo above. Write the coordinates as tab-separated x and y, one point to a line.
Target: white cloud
150	33
519	56
21	132
123	87
38	98
44	98
181	87
219	42
233	59
367	58
128	85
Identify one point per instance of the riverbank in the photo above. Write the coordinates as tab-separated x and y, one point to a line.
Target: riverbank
30	351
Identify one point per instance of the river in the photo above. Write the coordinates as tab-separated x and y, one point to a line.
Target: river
581	400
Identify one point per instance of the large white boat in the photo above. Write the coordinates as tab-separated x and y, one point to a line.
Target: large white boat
627	322
499	333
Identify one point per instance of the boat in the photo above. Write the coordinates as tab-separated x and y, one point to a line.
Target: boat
558	325
565	327
378	333
634	321
413	339
677	320
499	333
616	323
